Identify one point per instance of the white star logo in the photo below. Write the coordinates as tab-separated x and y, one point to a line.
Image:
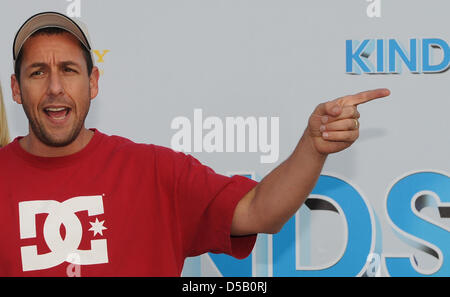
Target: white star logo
97	227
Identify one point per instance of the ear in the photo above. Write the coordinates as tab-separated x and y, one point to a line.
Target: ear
15	87
93	82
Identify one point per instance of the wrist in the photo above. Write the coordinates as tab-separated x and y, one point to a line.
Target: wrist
306	144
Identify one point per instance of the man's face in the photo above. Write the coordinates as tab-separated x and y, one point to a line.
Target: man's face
55	88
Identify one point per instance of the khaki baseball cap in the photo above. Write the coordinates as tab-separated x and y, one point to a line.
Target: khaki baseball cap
50	20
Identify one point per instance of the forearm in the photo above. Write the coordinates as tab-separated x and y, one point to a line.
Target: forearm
281	193
332	127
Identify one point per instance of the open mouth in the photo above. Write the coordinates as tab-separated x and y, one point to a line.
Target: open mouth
57	113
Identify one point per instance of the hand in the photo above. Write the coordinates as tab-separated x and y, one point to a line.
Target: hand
334	125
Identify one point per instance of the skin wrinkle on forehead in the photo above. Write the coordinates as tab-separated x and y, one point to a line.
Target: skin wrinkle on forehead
47	60
51	32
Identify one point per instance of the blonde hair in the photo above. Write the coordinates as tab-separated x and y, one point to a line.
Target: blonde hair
4	132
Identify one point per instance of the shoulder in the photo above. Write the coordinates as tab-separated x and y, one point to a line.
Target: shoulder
119	145
6	151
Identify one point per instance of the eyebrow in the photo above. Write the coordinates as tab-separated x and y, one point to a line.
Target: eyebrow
37	65
42	64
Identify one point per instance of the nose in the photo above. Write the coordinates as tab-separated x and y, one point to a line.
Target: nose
55	86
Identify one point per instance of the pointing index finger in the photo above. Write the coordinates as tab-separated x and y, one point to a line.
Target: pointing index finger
366	96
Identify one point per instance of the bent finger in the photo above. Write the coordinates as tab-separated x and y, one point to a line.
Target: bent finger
348	111
341	136
341	125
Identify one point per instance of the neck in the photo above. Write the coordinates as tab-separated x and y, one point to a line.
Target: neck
34	146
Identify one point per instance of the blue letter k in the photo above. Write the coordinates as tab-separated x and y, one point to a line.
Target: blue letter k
357	56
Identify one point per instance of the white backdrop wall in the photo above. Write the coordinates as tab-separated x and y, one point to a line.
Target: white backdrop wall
165	62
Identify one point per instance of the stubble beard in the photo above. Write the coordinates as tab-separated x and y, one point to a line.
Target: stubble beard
46	137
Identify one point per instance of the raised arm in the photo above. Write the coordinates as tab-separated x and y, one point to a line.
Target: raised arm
332	127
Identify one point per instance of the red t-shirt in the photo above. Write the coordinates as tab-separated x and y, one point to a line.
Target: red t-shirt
116	208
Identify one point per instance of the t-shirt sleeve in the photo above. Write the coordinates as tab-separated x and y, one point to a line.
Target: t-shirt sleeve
205	207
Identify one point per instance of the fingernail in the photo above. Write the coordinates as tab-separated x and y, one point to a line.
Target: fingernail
325	135
324	119
322	128
336	110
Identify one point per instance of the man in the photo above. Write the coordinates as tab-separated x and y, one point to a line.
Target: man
74	196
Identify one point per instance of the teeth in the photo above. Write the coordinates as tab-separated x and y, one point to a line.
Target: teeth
55	109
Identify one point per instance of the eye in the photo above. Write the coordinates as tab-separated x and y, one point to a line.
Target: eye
69	70
37	73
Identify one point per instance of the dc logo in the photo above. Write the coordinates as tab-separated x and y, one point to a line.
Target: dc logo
61	249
